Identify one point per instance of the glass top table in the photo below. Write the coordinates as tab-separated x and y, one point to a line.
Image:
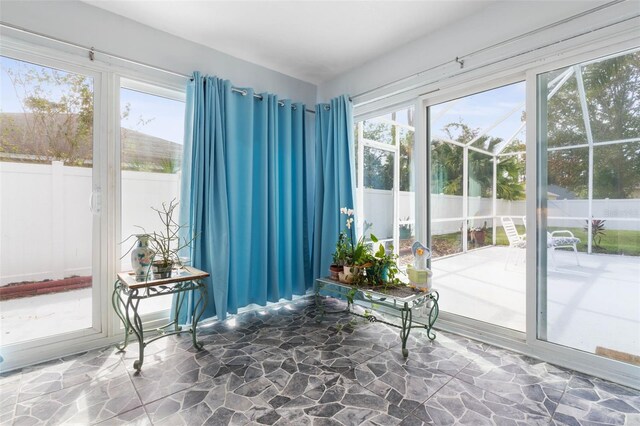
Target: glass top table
128	292
415	308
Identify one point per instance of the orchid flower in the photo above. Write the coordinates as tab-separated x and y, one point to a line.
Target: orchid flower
343	210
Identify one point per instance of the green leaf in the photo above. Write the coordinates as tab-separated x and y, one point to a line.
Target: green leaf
373	238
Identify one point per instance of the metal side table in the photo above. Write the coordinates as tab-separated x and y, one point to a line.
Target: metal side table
127	294
417	310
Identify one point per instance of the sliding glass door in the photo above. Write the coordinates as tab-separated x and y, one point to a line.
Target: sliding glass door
476	155
589	199
50	205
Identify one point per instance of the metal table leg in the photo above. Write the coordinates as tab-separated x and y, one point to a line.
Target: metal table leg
200	306
406	319
136	326
118	305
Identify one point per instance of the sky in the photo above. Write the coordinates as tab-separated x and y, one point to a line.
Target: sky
482	110
479	111
153	115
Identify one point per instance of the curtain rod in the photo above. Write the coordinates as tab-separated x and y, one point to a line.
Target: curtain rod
461	61
92	51
244	92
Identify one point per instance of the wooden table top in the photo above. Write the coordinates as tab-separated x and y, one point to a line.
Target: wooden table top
186	273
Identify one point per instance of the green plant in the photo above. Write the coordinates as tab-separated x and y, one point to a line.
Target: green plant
341	254
167	242
597	230
381	269
357	251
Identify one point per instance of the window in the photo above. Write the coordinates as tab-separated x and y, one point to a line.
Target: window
385	180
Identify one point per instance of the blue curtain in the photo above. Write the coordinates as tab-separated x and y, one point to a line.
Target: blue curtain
334	180
246	183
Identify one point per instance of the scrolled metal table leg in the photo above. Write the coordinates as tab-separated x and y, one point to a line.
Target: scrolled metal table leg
118	304
406	317
433	314
136	326
179	302
198	311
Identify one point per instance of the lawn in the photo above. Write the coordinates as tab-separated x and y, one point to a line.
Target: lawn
621	242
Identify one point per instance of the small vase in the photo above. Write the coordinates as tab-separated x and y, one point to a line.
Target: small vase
141	257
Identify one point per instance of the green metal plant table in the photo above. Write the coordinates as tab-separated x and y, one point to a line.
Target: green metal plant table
418	310
127	294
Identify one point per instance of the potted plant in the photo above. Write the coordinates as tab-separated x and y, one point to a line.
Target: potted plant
166	243
357	252
339	256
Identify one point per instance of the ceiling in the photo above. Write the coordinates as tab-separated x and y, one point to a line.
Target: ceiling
311	40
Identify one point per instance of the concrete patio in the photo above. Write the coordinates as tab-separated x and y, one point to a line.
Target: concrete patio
594	304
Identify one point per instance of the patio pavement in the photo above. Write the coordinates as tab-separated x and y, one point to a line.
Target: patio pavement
594	304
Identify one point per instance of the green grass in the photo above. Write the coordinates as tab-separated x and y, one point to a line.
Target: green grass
613	241
620	242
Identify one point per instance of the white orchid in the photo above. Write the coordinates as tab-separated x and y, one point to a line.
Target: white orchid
343	210
350	212
349	222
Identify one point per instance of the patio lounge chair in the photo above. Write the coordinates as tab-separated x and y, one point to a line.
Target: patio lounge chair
560	239
516	241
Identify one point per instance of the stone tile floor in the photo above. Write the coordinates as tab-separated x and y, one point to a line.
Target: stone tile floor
280	366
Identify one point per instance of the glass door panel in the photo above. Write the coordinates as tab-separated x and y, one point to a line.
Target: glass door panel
386	180
589	174
477	176
378	198
46	201
151	138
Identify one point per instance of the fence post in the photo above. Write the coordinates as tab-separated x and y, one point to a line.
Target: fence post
57	220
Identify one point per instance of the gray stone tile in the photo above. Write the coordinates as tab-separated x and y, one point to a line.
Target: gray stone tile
9	389
281	366
65	372
405	382
136	417
590	401
519	378
89	402
459	402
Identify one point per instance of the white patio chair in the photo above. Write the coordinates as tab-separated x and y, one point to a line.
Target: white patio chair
516	241
559	239
562	239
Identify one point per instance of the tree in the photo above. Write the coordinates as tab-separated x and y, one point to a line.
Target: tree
57	118
447	164
612	89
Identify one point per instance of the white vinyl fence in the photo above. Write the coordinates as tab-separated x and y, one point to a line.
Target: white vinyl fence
378	209
46	221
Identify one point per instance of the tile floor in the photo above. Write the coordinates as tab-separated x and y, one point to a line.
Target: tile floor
279	366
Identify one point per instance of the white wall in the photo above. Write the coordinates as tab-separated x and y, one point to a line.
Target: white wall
86	25
497	23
